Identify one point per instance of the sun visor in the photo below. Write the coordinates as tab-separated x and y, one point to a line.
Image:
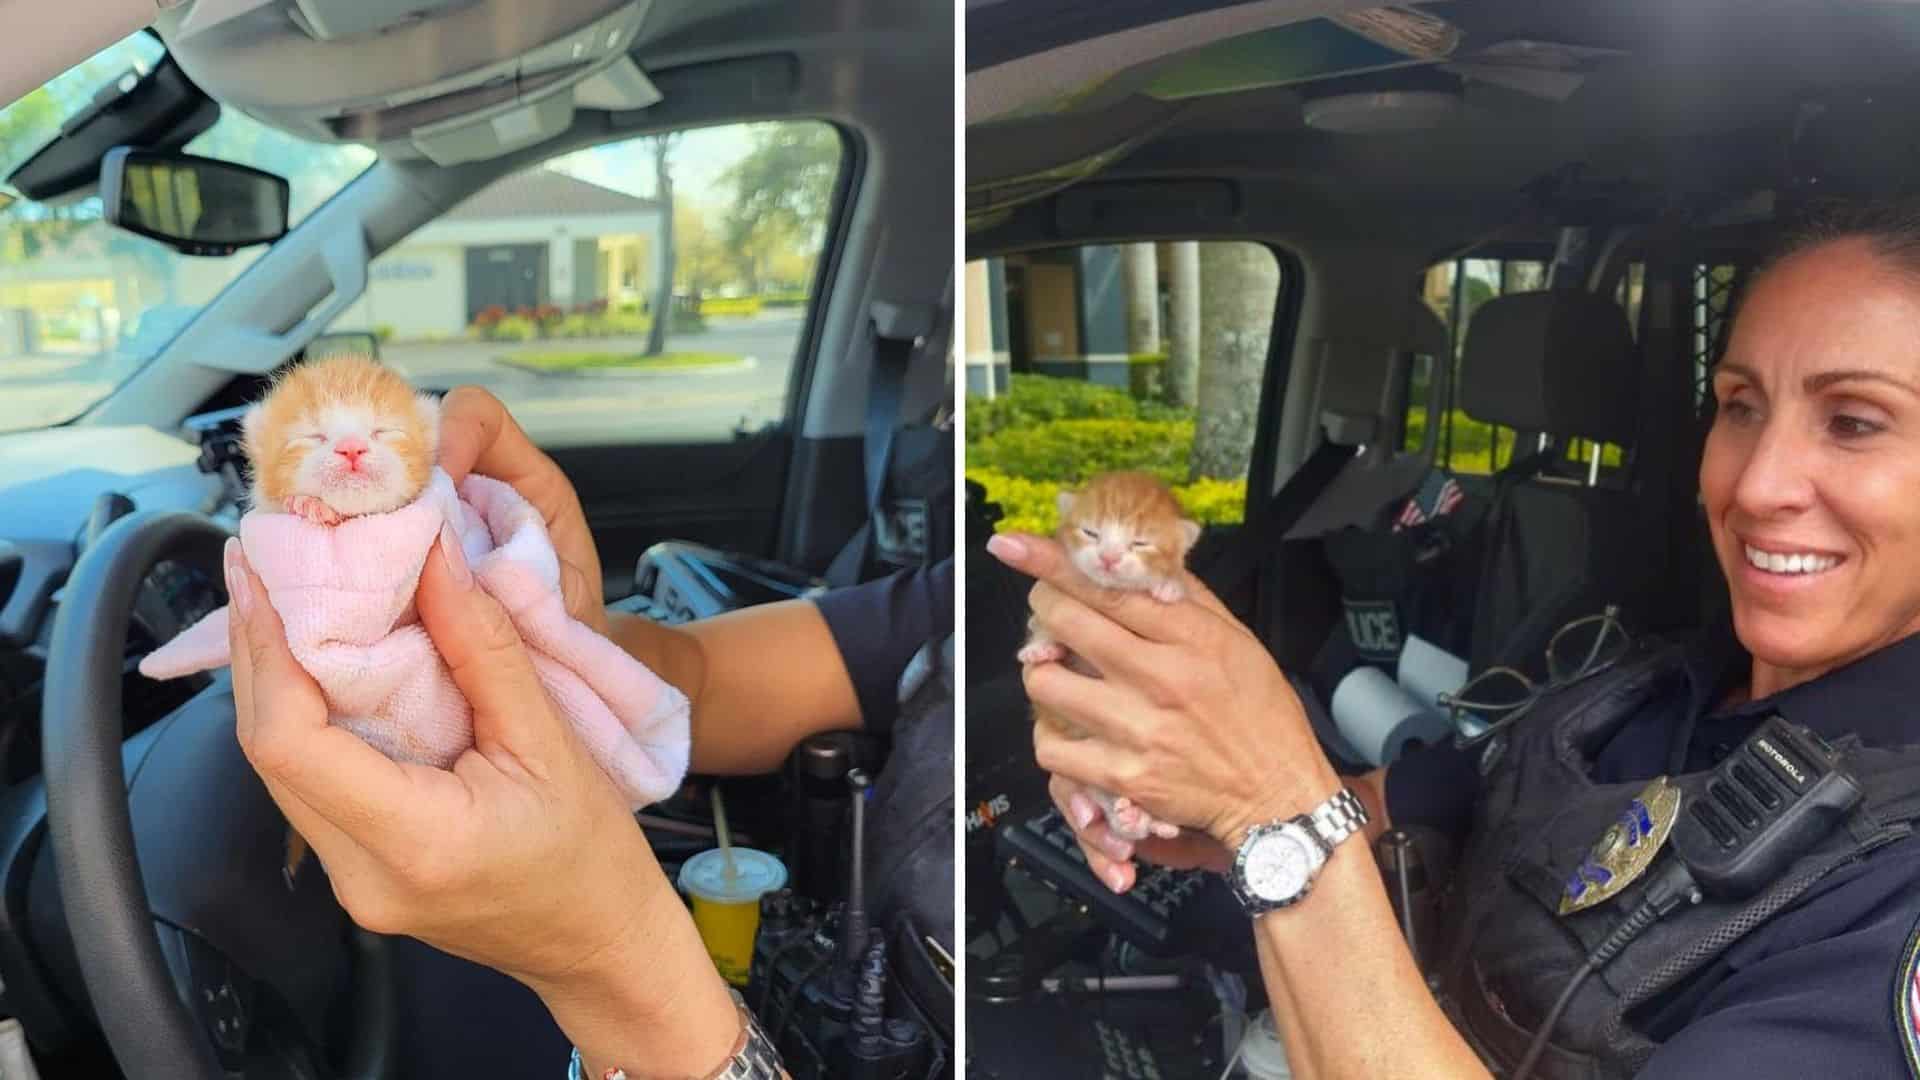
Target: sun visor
458	81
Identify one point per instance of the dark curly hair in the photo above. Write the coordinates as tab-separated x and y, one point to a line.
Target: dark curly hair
1890	227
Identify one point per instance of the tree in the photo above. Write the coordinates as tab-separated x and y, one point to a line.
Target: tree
1140	273
782	190
1183	323
663	288
1238	285
700	263
25	126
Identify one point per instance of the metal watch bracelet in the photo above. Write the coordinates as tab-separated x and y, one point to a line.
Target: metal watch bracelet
753	1057
1338	818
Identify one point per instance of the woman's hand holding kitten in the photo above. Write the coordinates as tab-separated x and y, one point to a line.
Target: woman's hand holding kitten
1122	530
346	436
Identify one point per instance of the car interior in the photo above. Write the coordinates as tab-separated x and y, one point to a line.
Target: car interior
1525	220
111	520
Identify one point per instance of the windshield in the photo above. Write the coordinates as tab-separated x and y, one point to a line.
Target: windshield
84	305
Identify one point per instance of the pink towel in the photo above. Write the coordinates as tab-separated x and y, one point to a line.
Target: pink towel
345	594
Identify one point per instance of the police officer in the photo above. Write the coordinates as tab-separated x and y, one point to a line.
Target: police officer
523	857
1811	487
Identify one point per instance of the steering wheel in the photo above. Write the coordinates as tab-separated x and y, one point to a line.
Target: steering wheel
201	956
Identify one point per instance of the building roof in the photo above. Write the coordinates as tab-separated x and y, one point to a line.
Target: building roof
545	193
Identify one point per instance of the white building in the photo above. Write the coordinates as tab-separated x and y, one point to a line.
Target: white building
537	237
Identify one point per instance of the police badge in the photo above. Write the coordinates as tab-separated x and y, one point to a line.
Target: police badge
1625	850
1906	1002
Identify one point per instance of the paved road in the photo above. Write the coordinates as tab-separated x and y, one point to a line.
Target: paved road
557	409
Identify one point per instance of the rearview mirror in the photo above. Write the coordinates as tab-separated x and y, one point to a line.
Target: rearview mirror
195	205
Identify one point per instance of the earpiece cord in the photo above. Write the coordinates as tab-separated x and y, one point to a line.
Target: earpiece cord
1670	887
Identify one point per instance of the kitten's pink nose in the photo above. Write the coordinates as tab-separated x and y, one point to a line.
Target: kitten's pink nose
1109	559
351	448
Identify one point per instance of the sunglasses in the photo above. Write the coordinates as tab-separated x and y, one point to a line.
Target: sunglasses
1495	699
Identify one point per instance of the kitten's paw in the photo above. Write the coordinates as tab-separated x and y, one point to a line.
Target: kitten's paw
312	509
1042	652
1170	592
1166	830
1128	822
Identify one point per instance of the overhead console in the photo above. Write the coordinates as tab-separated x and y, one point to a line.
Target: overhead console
454	80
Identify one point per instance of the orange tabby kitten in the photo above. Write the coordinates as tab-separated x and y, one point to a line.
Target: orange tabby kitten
1123	530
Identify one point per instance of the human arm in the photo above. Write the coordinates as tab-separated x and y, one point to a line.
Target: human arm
1192	720
1112	857
1815	991
759	680
522	856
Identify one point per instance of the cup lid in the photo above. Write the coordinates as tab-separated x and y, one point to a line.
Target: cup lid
755	872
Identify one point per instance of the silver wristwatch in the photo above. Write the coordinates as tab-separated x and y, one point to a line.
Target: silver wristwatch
754	1057
1278	862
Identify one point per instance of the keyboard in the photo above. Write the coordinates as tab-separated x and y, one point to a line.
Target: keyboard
1148	915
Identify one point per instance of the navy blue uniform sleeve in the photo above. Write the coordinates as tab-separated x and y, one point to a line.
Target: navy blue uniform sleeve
880	624
1435	786
1814	998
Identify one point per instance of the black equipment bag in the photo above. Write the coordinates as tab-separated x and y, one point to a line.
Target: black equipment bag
1413	573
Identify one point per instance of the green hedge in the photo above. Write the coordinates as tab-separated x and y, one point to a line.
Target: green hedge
1046	433
1029	504
1069	451
745	305
1035	399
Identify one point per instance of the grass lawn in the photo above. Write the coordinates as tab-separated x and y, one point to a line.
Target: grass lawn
599	361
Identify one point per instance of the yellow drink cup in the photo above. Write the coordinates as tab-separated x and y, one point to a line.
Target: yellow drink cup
726	907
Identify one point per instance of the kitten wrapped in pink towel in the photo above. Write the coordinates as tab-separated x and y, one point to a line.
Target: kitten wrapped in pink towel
345	594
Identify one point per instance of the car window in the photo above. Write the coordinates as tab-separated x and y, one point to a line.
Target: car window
1715	290
1086	359
546	286
83	305
1455	290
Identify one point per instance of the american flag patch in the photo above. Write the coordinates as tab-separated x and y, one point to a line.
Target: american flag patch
1431	501
1906	1003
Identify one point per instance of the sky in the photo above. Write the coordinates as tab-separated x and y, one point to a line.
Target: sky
698	161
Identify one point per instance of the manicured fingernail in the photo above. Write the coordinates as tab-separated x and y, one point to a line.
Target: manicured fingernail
239	592
456	558
1083	810
1115	880
1007	549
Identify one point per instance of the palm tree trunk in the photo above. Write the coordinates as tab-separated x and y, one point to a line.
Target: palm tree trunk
1183	323
1239	284
663	289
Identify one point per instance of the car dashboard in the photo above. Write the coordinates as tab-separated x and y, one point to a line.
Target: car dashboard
62	487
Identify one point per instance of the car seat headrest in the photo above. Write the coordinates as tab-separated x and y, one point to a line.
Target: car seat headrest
1557	361
1354	375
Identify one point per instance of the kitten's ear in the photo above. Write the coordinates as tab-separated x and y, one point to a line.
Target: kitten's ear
250	430
1189	533
430	419
1064	501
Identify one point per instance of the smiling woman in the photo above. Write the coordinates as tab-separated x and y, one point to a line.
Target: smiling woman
1808	482
1811	467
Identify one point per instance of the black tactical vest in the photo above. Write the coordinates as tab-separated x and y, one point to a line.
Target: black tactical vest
1507	954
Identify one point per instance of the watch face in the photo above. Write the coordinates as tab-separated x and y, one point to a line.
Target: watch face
1278	866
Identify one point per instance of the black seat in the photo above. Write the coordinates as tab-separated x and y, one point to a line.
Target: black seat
1362	403
1559	544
